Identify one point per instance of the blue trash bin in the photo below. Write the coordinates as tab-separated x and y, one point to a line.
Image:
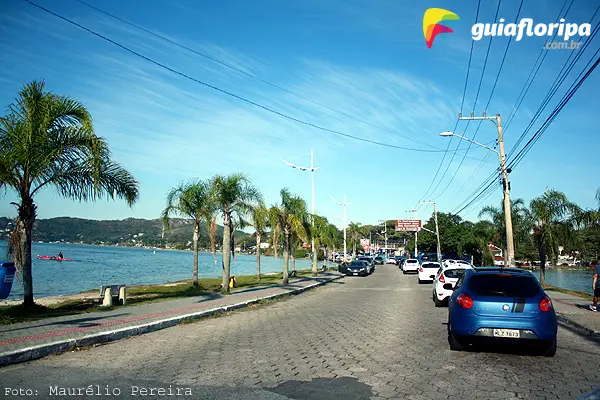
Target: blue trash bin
7	276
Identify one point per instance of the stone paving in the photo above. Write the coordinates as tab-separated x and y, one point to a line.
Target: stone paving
375	337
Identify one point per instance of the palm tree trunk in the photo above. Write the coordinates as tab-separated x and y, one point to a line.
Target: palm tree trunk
314	260
258	256
286	258
293	258
226	251
542	250
195	239
354	248
20	247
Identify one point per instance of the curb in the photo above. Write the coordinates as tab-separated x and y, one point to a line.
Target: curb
44	350
577	327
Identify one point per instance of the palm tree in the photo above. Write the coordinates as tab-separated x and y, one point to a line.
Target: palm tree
551	216
48	140
356	233
520	223
260	222
190	200
320	232
289	218
234	197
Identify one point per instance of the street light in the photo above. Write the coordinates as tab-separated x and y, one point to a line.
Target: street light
384	227
312	170
416	232
510	246
344	204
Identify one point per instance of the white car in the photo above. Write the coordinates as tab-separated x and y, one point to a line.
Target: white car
391	260
411	265
447	276
428	271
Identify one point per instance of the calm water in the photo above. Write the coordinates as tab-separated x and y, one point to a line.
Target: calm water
94	266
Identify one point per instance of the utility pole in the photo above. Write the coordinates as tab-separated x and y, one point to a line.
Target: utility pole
510	246
312	170
416	232
344	204
385	233
437	229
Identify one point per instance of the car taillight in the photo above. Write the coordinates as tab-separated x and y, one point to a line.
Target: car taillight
442	279
545	304
464	300
420	269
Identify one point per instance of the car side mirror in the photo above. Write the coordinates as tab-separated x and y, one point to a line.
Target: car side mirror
448	286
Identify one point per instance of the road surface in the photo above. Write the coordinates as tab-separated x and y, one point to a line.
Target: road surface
359	338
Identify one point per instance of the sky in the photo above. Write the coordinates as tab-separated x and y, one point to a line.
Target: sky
356	67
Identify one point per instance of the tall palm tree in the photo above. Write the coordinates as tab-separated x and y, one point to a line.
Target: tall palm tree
234	197
260	222
320	232
551	216
48	141
356	232
191	200
289	217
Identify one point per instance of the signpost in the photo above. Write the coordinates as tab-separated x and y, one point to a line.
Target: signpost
365	244
408	225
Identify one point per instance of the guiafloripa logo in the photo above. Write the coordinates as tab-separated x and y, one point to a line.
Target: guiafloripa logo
431	26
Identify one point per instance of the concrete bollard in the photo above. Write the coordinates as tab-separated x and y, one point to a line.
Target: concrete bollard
122	295
107	300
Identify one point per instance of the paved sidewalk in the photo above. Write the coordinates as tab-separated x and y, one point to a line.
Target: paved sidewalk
574	311
30	340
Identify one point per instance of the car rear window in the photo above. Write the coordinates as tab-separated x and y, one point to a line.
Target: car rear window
454	273
431	265
412	261
504	285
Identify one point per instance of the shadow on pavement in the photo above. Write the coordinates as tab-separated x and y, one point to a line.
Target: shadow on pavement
82	322
324	389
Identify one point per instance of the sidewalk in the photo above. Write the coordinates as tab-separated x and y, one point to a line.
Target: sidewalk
31	340
574	311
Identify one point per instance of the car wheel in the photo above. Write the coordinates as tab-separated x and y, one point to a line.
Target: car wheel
437	302
454	344
420	282
550	351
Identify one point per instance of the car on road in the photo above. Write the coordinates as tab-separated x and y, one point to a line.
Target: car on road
357	268
369	261
411	265
391	260
503	305
444	276
379	260
427	271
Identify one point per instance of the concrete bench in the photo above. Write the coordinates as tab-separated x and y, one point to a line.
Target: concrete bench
113	294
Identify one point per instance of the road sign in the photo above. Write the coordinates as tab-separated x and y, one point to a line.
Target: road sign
411	225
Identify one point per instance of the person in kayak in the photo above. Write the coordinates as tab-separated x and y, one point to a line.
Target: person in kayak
60	255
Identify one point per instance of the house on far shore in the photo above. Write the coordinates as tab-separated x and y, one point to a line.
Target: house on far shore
497	255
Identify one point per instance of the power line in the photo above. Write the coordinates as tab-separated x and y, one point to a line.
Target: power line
250	75
487	53
461	108
238	97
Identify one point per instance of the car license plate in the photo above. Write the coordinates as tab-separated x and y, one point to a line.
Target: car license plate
356	273
507	333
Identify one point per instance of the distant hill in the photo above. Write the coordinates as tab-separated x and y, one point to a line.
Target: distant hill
127	232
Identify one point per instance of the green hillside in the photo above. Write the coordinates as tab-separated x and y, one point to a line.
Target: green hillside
127	232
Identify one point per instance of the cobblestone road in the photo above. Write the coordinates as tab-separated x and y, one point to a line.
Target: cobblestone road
359	338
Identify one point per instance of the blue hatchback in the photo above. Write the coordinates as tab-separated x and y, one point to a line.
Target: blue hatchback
502	305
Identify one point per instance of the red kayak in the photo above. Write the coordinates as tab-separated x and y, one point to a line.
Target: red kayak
54	258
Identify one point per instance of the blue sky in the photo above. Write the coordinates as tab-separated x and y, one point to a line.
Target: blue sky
366	59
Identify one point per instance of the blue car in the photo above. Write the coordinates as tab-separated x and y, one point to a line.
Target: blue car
502	305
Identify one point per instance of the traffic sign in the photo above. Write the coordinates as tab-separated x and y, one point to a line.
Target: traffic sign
411	225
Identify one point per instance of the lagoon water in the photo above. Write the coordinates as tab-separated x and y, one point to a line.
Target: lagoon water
94	266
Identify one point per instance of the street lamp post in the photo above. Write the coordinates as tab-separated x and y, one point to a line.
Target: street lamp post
312	170
416	232
385	232
497	120
344	204
437	229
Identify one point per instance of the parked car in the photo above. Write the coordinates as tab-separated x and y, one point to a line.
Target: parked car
411	265
369	261
391	260
379	260
427	271
502	305
446	275
357	268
